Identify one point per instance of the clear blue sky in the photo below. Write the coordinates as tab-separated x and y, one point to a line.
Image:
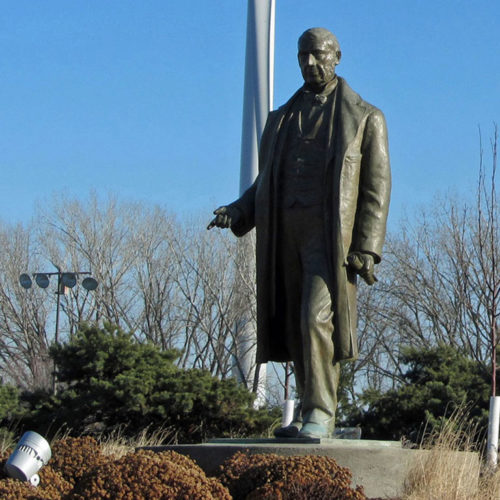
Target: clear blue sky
143	99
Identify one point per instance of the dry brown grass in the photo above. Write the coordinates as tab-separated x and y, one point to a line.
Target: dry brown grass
7	441
451	468
118	445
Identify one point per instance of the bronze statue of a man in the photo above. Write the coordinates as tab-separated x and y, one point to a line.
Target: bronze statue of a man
319	206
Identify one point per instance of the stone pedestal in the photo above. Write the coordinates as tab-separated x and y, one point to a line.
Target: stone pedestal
379	466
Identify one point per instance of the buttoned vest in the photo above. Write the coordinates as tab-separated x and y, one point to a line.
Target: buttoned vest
301	179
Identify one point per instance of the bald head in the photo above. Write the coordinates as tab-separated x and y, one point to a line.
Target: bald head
320	35
319	53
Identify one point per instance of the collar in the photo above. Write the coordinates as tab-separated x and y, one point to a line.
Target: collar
325	92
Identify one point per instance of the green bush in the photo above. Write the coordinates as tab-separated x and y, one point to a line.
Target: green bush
437	382
107	380
10	413
9	402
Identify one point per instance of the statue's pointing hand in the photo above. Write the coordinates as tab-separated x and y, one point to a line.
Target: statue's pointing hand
363	264
225	217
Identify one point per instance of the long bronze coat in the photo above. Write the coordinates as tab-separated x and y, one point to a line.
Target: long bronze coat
358	183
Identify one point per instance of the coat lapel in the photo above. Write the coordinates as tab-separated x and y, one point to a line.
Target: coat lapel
349	110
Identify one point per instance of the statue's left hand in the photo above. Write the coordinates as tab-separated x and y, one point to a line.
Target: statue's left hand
364	265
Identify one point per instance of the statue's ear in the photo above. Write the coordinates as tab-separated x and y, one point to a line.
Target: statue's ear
339	56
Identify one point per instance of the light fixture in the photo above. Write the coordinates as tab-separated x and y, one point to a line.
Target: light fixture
68	280
42	280
31	453
89	284
25	281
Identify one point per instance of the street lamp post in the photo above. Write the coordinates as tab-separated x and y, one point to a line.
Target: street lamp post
67	279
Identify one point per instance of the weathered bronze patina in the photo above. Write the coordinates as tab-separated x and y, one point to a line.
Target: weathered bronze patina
319	206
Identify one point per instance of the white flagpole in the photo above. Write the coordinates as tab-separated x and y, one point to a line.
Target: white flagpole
258	98
259	81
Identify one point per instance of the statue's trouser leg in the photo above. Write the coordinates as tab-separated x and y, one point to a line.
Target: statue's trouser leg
320	375
308	310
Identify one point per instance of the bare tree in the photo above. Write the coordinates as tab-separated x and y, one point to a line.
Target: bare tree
206	279
170	282
439	284
154	273
24	338
93	237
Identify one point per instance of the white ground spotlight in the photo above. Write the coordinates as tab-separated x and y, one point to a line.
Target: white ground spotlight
31	453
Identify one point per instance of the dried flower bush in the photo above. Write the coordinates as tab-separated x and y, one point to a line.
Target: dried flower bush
147	475
73	457
269	476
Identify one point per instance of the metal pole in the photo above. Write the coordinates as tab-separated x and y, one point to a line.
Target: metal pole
56	333
58	293
287	379
493	424
259	82
257	102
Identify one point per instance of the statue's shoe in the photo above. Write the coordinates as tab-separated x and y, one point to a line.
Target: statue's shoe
313	430
290	431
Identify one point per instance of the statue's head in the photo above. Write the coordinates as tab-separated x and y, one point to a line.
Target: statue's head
319	53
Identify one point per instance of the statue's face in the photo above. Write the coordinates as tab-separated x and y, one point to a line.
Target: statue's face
317	61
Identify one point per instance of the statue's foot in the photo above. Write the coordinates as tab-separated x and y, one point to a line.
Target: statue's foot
290	431
313	430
